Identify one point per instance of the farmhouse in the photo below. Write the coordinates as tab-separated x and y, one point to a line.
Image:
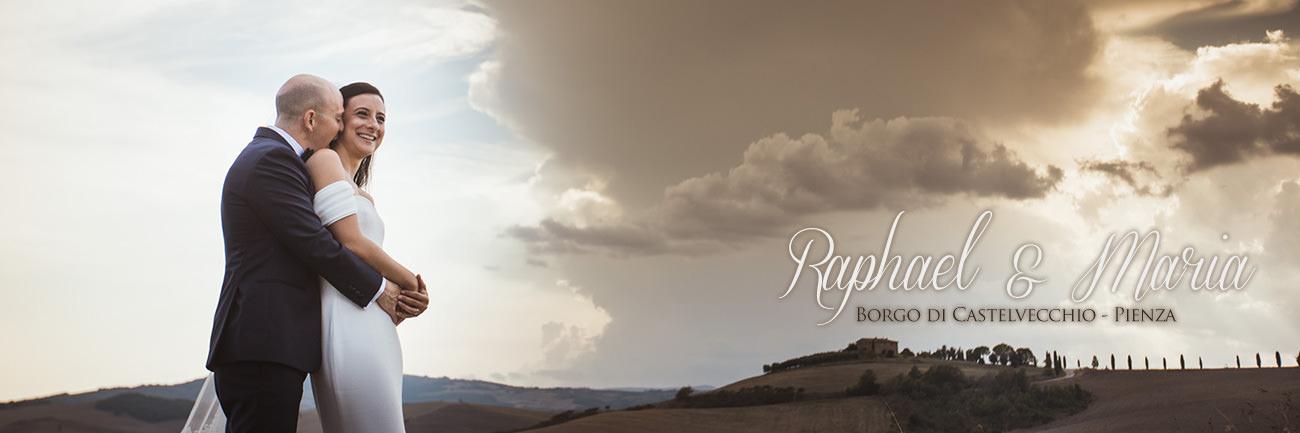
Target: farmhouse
878	346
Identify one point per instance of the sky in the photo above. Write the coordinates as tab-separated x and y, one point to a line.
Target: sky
603	193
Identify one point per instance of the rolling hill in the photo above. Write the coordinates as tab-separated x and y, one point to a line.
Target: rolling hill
859	415
432	404
445	417
833	378
77	417
1240	400
1147	401
415	389
856	414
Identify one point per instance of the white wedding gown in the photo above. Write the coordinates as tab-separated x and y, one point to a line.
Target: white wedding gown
358	388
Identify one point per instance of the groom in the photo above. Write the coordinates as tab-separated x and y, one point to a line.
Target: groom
266	335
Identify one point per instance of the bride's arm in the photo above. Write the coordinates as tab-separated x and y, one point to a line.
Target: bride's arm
325	168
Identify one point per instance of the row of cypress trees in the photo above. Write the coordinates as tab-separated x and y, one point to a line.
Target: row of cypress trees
1182	362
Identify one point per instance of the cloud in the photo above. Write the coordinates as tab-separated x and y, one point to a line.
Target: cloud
859	165
562	344
1179	17
647	94
1233	130
1188	111
1284	242
1222	22
1140	176
226	44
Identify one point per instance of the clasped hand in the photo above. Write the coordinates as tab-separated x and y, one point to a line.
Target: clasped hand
402	302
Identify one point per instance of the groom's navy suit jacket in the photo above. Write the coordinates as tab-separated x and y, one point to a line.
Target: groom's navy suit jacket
276	248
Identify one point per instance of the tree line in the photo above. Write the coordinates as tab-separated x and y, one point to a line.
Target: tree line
1182	362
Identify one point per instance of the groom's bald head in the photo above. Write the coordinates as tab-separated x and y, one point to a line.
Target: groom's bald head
301	93
308	105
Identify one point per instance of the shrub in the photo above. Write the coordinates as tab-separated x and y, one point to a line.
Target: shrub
1007	381
948	402
938	380
751	396
866	385
683	393
817	358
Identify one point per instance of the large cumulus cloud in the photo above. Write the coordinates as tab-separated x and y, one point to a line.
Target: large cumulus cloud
859	165
647	94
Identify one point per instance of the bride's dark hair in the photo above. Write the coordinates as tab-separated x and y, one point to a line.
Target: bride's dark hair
349	91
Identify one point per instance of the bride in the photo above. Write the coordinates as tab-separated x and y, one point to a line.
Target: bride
359	385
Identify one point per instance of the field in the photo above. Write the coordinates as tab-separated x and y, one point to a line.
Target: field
76	418
446	417
1238	400
861	415
858	414
441	417
1184	401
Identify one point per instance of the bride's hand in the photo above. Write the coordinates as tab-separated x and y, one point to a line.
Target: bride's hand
413	302
408	283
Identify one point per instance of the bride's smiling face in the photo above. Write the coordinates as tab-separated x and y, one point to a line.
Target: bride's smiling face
363	125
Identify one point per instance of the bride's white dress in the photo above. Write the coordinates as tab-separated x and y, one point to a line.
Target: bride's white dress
359	386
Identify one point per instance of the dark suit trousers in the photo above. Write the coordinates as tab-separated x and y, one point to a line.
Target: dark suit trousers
261	397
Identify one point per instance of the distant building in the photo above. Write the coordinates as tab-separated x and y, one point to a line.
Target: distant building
878	346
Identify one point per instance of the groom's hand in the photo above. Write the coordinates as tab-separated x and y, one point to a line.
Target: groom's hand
388	301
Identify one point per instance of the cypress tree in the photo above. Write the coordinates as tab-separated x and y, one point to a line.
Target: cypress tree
1130	362
1182	365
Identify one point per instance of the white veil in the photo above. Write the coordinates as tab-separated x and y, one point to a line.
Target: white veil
206	417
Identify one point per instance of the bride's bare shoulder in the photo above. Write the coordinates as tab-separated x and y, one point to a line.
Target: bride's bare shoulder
323	159
325	168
